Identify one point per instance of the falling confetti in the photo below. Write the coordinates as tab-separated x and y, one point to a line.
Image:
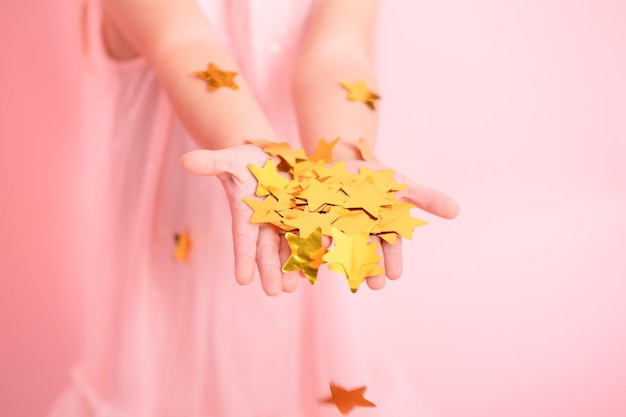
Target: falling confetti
346	400
183	246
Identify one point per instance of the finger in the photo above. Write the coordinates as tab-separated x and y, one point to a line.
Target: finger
392	255
207	162
378	281
429	199
245	238
290	279
268	261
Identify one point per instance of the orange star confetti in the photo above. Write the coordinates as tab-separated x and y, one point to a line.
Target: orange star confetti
216	78
346	400
315	198
358	91
183	246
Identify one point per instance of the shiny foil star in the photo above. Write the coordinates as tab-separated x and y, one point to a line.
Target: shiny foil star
306	254
358	91
307	196
346	400
183	246
354	257
217	78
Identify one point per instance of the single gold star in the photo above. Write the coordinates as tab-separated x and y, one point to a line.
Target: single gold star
306	254
353	256
366	153
346	400
267	176
183	246
324	151
358	91
217	78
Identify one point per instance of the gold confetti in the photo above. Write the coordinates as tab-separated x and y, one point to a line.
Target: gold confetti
358	91
306	254
317	198
216	78
267	176
354	257
346	400
366	152
324	151
183	246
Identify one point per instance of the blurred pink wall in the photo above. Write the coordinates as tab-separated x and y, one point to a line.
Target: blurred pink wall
515	108
39	104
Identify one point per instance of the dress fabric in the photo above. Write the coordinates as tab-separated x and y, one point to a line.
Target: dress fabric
165	338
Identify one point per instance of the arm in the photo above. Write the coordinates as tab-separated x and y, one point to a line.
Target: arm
176	40
336	46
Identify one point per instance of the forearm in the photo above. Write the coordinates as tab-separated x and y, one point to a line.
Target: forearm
217	119
176	40
336	48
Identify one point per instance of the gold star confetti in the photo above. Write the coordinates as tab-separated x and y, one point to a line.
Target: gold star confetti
267	176
346	400
354	257
306	254
317	198
366	152
217	78
324	151
358	91
183	246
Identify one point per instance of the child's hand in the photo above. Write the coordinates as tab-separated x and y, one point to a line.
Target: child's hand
253	243
262	244
423	197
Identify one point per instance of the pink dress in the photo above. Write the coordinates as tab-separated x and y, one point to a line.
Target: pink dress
165	338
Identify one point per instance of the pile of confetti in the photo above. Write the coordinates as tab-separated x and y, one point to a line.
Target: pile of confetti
316	198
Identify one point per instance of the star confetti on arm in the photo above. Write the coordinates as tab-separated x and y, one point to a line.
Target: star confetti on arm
183	246
217	78
346	400
306	254
358	91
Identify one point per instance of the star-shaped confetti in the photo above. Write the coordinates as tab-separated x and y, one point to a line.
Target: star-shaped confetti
183	246
346	400
306	254
358	91
307	199
217	78
267	176
354	257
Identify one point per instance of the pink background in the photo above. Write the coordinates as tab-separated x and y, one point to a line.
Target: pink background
518	109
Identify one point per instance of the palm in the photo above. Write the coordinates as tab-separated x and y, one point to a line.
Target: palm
262	244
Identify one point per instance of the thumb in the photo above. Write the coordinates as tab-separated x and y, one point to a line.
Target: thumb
205	162
430	200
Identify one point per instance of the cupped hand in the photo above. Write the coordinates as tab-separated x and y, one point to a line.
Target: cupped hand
262	246
259	245
424	198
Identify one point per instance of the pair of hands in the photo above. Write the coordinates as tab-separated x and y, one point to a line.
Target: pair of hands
262	246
